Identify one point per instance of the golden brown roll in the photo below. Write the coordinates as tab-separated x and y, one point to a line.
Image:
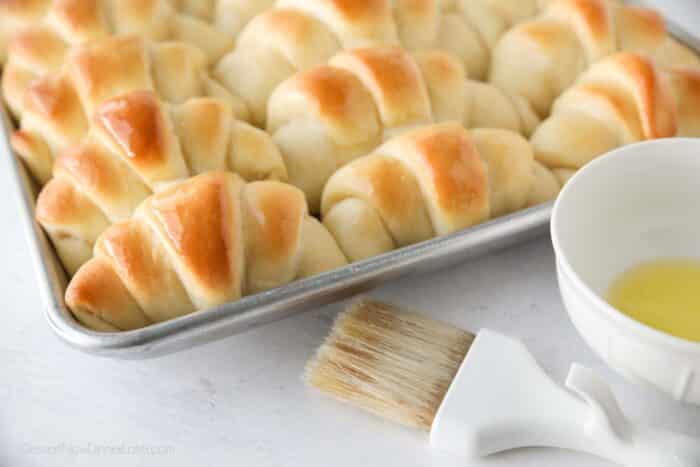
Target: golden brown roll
208	24
137	145
325	117
540	58
207	241
57	108
427	182
319	121
299	34
622	99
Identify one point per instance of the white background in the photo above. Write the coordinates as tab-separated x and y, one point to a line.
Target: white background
240	401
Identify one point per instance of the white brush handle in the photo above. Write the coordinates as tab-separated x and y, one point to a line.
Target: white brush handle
501	400
622	441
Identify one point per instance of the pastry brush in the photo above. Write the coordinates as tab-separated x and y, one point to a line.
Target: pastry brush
479	394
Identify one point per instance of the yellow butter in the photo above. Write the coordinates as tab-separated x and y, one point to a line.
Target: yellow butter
664	294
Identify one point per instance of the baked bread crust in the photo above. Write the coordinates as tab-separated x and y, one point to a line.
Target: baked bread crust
57	109
319	121
345	109
540	58
296	35
427	182
211	25
138	145
622	99
207	241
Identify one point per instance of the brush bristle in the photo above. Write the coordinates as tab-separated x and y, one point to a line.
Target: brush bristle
393	363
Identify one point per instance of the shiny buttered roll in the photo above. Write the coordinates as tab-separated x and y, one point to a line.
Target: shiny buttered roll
299	34
427	182
542	57
319	121
623	99
328	116
206	241
211	25
40	48
57	109
138	145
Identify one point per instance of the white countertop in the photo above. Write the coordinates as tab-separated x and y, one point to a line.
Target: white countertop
241	402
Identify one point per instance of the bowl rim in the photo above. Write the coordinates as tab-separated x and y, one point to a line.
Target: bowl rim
649	333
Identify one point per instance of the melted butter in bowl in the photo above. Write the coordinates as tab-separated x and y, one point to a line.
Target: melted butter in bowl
663	294
636	204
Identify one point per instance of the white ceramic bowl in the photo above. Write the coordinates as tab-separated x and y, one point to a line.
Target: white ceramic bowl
637	203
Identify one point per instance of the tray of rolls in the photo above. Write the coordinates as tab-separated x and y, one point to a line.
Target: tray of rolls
189	170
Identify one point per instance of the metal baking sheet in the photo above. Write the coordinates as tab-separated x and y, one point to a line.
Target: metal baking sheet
209	325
